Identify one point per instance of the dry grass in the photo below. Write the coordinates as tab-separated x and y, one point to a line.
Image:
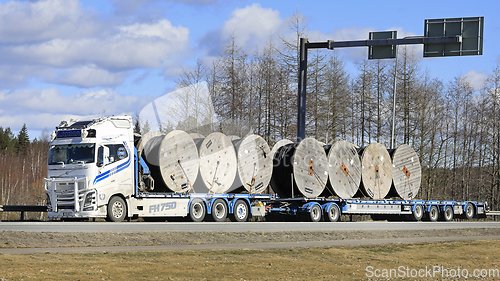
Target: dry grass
341	263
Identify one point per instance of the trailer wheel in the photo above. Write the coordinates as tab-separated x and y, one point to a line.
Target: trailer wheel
219	210
417	213
117	209
469	211
433	213
314	214
197	210
333	213
240	212
447	215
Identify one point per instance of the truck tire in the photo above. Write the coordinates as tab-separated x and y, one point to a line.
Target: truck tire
197	210
240	212
417	213
333	213
469	211
314	214
447	215
219	210
433	214
117	209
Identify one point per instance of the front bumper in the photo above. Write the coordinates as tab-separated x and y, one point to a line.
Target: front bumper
70	198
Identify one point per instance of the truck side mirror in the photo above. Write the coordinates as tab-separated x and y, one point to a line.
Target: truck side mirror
102	156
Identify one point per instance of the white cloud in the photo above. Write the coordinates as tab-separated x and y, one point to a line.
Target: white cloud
90	76
134	46
27	21
163	30
46	108
476	79
14	76
252	26
61	37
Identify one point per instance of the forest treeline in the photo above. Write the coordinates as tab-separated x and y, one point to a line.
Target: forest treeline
454	128
23	166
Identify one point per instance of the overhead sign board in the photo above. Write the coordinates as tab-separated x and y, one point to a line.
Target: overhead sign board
382	51
470	30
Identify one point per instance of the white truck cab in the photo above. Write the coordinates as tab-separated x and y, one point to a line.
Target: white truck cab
91	161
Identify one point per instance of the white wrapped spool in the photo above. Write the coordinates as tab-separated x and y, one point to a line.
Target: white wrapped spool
151	155
179	161
301	170
144	140
376	171
217	164
406	172
172	160
344	169
254	164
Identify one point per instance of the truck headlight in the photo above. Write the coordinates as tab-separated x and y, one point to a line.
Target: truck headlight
49	204
88	204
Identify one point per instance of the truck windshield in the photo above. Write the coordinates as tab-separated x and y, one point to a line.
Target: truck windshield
72	153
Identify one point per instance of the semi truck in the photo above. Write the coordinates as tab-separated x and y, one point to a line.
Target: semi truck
95	170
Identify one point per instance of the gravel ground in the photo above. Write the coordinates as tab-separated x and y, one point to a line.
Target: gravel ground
15	239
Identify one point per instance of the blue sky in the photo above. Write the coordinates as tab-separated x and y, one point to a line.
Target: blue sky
63	59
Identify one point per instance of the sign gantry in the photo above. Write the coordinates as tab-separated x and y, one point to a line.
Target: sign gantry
442	37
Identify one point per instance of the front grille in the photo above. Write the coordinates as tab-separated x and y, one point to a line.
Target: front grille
63	193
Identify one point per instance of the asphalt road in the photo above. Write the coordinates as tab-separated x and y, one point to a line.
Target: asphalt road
57	226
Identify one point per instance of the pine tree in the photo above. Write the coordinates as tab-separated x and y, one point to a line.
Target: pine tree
6	139
23	140
137	124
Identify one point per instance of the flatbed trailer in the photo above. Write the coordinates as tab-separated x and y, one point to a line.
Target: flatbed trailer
379	209
242	207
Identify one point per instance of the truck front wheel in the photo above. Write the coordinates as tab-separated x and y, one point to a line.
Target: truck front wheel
117	209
